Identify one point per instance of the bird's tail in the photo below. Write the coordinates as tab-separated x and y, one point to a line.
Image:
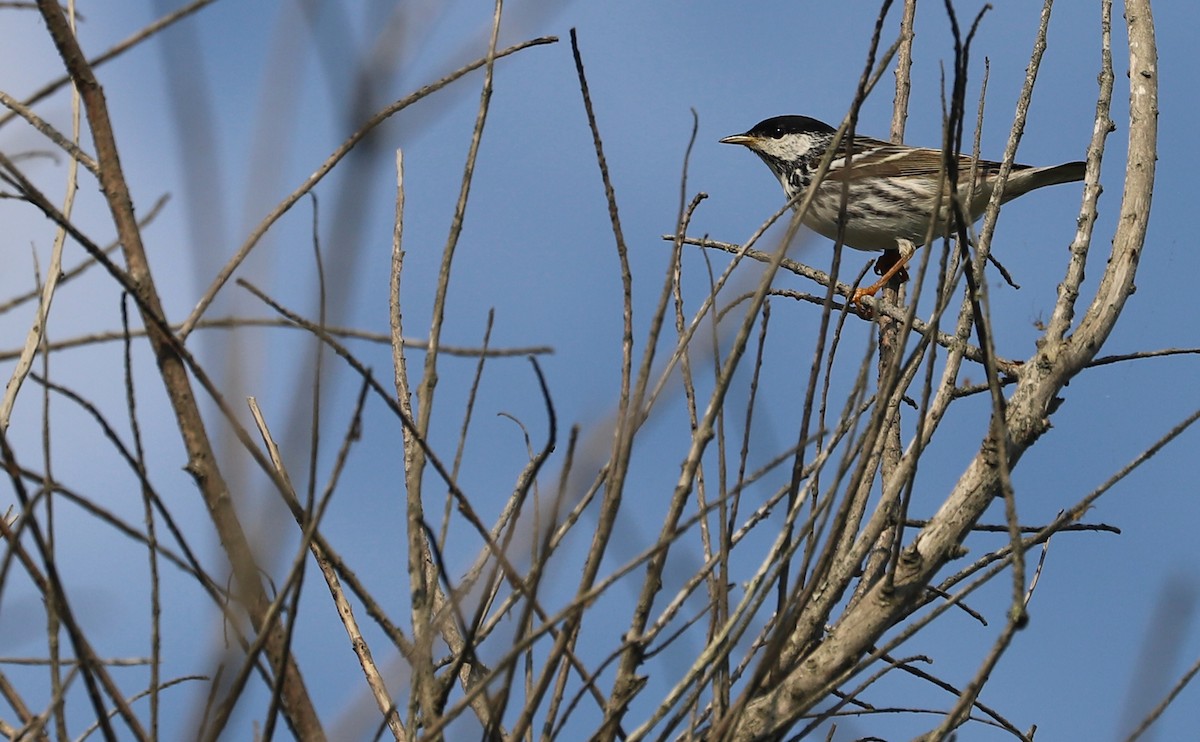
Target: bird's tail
1069	172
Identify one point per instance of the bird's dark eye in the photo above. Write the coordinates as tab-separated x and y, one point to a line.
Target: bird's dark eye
777	132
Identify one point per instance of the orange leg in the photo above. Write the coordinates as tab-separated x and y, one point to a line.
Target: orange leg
890	264
884	263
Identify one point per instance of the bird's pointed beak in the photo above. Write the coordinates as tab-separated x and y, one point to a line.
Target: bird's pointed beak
743	139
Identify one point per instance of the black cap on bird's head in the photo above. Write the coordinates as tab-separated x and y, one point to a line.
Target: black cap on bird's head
779	126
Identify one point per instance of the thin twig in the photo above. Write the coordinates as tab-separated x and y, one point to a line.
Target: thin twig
311	182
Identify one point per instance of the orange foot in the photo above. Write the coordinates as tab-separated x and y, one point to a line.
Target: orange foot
889	265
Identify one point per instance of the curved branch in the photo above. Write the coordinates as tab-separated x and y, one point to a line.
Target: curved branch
833	659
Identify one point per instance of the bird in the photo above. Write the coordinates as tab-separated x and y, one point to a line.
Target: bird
892	188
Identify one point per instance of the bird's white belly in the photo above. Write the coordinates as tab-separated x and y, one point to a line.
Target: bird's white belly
877	221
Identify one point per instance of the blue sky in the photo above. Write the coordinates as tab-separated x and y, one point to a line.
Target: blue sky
271	95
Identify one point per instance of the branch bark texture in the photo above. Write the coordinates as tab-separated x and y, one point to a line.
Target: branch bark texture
856	632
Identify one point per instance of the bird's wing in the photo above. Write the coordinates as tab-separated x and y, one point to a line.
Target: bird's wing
875	158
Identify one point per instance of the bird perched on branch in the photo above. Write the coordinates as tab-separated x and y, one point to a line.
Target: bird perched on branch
892	189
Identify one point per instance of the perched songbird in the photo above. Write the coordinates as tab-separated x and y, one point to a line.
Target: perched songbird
892	187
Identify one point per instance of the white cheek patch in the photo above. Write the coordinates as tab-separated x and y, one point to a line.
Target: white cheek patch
802	147
788	148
